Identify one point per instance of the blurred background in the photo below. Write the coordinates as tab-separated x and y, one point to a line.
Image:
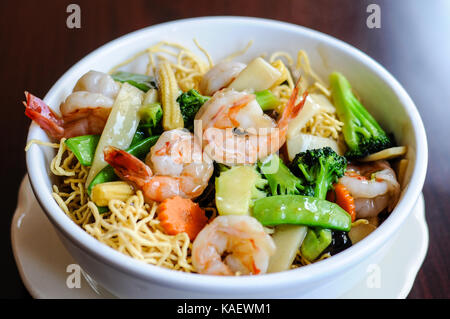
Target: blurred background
413	43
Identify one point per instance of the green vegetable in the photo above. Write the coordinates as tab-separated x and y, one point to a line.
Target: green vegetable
281	180
319	169
301	210
266	100
141	81
83	147
237	188
190	102
103	209
138	136
140	149
361	131
315	242
107	174
151	116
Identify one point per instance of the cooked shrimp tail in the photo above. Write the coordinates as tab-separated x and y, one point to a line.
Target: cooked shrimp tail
128	167
291	110
82	113
42	114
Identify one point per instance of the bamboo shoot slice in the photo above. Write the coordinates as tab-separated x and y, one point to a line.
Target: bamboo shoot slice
401	171
120	127
323	101
314	104
288	239
257	76
307	112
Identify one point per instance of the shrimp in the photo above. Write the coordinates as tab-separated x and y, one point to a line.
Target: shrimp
220	76
236	130
174	167
98	82
82	113
374	187
241	239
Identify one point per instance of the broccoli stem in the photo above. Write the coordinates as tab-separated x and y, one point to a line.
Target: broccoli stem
266	100
281	180
321	188
362	133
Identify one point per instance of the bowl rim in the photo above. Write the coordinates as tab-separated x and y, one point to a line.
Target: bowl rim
199	282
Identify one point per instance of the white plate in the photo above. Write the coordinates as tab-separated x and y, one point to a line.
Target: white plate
42	259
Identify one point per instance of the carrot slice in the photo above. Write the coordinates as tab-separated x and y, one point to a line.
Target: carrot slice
345	200
177	215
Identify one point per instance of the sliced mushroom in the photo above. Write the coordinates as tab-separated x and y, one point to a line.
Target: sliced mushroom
360	232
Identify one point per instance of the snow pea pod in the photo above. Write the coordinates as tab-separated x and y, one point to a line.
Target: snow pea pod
301	210
141	81
141	148
138	136
83	147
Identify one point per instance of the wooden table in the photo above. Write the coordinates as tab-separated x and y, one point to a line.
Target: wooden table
413	43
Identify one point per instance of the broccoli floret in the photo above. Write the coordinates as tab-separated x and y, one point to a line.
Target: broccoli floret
190	102
319	169
151	115
362	133
258	190
281	180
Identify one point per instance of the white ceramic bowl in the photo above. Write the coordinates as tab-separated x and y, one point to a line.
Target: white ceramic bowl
382	94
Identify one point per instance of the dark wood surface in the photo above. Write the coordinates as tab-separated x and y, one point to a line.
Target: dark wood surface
413	43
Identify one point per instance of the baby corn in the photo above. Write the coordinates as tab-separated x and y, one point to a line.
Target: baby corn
103	193
168	90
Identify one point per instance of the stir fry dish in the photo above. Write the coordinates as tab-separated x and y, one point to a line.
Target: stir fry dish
220	169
